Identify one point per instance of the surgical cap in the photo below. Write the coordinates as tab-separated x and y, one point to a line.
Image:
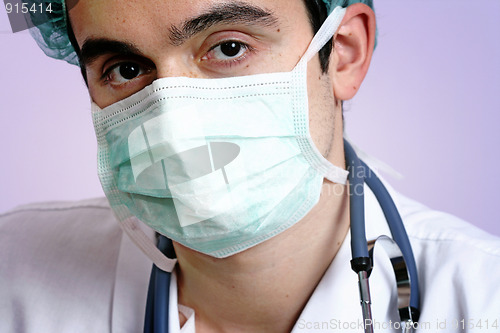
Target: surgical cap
331	4
51	28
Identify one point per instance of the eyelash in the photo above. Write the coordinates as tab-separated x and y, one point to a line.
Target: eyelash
231	62
106	79
248	50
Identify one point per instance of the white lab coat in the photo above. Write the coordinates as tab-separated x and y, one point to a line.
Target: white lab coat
68	267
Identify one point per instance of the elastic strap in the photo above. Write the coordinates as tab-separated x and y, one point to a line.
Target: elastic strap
325	33
133	229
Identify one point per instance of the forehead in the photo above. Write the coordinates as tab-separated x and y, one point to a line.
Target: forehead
121	20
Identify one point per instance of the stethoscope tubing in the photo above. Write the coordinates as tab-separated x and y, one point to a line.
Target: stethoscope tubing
157	305
359	173
398	231
359	248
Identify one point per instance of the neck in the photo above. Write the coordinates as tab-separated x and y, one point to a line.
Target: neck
265	288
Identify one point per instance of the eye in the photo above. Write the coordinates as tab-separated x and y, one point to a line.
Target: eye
229	50
124	72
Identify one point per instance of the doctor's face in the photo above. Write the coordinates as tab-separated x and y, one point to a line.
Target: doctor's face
126	45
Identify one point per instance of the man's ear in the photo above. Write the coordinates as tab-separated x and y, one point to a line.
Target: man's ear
353	49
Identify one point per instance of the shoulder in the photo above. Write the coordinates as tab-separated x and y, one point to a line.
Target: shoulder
458	264
429	227
47	231
56	219
57	257
56	206
55	228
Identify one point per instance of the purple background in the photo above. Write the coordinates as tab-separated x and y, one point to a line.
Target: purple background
429	107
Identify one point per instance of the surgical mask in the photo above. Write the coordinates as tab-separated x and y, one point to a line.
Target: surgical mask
218	165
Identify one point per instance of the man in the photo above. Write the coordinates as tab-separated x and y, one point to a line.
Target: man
297	279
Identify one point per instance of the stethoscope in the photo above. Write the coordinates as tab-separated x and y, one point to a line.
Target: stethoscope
398	248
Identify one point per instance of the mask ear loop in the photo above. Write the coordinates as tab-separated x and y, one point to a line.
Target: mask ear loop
147	246
324	34
300	100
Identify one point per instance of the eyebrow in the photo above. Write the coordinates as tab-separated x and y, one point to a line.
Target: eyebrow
230	13
94	48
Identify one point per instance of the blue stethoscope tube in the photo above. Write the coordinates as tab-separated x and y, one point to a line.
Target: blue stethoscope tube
359	248
157	307
359	173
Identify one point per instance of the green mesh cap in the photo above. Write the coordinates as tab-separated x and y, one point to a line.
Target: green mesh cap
50	29
331	4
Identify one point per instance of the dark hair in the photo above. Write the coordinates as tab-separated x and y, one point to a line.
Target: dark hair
72	39
316	10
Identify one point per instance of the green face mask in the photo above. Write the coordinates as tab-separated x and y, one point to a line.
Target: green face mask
217	165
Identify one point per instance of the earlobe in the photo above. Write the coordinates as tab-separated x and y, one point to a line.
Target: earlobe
353	49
